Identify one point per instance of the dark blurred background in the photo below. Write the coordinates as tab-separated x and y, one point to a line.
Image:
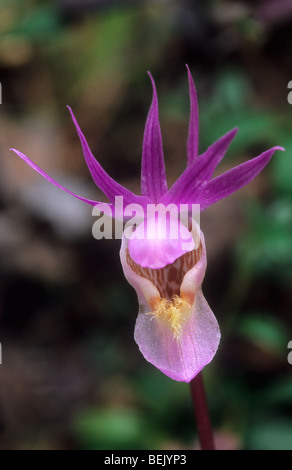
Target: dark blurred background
72	376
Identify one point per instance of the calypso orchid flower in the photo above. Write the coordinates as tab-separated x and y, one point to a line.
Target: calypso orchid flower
175	330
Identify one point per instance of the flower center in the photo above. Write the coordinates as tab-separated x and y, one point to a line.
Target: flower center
171	309
168	279
173	313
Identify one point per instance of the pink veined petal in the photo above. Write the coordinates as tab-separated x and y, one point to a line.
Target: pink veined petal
153	178
193	135
107	184
180	359
51	180
234	179
189	185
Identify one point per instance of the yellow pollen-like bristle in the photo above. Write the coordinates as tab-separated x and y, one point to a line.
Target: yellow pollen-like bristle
172	312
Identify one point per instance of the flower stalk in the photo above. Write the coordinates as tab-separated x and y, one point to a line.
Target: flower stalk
201	413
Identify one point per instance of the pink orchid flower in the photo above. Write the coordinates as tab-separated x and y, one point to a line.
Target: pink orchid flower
175	330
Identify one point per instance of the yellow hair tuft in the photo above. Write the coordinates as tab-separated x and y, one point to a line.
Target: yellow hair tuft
173	312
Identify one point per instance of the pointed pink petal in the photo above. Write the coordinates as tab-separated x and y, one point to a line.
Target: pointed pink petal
193	136
234	179
51	180
216	152
107	184
189	185
153	178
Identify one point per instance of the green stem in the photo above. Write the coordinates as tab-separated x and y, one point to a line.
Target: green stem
201	413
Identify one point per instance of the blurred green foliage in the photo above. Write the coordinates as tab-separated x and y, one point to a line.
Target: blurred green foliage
266	248
265	331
